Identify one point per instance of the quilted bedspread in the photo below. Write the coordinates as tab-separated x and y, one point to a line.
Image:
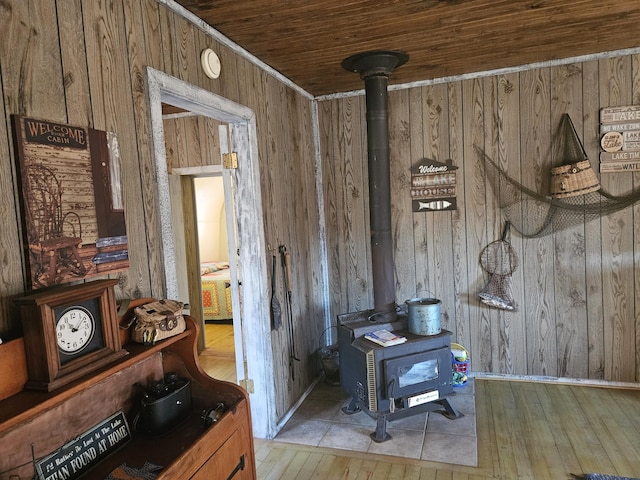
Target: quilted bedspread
216	295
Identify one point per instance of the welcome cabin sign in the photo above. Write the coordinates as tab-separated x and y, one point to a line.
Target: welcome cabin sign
71	201
433	186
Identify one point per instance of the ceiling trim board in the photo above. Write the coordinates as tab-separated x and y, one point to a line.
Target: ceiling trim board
201	24
490	73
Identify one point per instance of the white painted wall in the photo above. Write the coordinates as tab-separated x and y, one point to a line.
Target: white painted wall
212	224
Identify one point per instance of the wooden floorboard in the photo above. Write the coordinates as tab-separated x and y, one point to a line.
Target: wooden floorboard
558	457
218	358
526	430
610	428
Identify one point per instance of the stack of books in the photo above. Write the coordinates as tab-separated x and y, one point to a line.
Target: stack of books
113	254
385	338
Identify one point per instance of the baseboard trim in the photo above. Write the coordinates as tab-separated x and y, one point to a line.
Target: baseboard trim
285	418
588	382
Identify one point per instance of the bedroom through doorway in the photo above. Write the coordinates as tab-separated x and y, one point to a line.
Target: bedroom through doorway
218	356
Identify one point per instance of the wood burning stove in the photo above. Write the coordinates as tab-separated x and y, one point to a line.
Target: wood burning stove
416	376
394	382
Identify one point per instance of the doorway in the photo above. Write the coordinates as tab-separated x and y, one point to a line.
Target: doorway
251	324
217	357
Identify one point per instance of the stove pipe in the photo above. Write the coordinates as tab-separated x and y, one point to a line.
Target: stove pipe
374	68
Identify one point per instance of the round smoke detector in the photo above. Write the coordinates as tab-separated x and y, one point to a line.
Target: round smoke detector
210	63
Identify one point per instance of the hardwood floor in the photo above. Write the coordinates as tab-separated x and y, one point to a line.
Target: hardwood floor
218	358
525	430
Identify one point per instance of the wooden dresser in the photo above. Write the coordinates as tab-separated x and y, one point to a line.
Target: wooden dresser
34	424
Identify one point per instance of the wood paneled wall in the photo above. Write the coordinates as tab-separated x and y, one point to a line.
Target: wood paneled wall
578	290
82	62
191	141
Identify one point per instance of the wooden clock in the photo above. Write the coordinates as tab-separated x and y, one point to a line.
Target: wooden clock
69	332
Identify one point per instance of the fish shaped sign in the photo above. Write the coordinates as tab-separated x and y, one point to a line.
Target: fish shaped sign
433	186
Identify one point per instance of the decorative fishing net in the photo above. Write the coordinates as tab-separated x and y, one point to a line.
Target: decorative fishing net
500	260
575	197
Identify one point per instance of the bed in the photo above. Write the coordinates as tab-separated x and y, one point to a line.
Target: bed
216	294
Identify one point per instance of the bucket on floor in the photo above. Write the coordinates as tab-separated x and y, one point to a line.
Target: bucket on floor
330	359
424	316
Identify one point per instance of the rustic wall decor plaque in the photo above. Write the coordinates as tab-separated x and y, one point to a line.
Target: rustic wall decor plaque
71	201
433	186
80	454
620	141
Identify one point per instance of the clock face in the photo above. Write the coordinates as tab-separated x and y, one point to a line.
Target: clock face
78	329
75	329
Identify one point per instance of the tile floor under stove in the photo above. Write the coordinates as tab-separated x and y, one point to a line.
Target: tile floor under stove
320	422
427	436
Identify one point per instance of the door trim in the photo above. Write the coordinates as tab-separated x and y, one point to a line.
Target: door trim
229	184
252	270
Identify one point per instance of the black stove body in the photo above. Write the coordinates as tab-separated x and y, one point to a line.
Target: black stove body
397	381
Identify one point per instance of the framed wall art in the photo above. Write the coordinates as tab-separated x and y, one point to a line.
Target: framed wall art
71	201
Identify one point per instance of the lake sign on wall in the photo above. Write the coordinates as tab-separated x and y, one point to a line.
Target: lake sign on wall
620	140
433	186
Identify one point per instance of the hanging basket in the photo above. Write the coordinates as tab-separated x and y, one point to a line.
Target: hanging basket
573	180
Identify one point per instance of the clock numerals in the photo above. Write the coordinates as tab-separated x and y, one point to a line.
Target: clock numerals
75	329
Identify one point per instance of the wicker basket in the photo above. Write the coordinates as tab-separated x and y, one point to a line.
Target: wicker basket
573	179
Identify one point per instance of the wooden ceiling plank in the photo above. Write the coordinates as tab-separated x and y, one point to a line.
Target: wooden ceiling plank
307	40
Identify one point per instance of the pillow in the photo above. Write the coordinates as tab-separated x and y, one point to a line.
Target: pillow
208	267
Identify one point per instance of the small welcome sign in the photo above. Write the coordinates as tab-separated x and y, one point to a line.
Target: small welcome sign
433	186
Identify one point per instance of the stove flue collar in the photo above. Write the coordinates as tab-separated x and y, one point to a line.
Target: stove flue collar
375	63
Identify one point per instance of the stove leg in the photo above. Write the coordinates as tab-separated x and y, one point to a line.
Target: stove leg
381	435
449	412
352	407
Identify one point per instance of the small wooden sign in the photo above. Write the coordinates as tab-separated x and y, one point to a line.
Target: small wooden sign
619	127
611	141
619	156
85	451
433	186
626	140
632	166
631	140
629	113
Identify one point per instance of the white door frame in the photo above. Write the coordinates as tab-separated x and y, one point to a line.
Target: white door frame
254	314
228	181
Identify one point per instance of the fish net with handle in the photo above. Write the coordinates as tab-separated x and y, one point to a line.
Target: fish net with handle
500	261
